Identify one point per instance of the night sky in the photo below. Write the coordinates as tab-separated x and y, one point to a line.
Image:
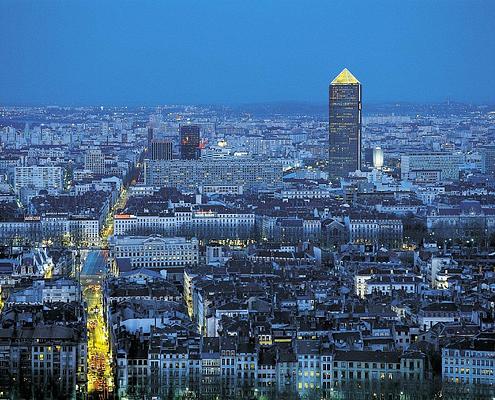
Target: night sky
225	52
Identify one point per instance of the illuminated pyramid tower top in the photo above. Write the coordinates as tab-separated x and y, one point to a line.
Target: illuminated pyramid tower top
345	78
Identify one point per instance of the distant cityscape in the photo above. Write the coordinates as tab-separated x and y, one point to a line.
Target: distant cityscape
263	251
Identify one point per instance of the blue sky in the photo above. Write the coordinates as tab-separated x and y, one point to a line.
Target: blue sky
157	52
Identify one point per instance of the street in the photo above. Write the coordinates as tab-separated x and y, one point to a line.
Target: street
100	373
94	263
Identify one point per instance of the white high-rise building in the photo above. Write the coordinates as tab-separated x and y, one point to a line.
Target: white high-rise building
94	160
431	167
38	177
378	157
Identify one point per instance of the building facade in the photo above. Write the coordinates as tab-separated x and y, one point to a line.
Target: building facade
470	361
41	355
94	161
161	149
488	159
191	174
38	177
378	232
171	254
430	167
204	224
344	125
189	142
467	221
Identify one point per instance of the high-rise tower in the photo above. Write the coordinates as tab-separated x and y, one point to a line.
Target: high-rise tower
161	149
189	142
344	111
151	134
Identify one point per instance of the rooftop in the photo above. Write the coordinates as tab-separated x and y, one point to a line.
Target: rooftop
345	78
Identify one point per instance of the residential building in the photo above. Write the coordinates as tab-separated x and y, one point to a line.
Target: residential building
190	174
38	177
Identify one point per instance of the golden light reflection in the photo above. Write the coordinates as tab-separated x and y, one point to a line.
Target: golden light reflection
345	78
107	229
100	377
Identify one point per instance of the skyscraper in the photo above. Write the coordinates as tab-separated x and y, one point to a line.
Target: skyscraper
378	158
161	149
344	125
189	142
151	134
94	160
488	159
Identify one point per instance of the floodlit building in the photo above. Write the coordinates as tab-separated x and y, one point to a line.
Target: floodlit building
171	254
378	157
205	222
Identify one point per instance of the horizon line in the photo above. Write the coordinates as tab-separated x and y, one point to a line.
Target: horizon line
241	104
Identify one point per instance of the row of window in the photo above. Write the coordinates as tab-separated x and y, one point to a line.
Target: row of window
467	371
467	361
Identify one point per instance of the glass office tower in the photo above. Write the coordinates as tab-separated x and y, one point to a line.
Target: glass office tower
344	125
190	142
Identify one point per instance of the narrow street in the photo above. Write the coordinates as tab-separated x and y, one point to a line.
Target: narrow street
107	229
93	273
100	372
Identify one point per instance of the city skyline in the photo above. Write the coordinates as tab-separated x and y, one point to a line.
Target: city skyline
242	200
237	268
229	53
